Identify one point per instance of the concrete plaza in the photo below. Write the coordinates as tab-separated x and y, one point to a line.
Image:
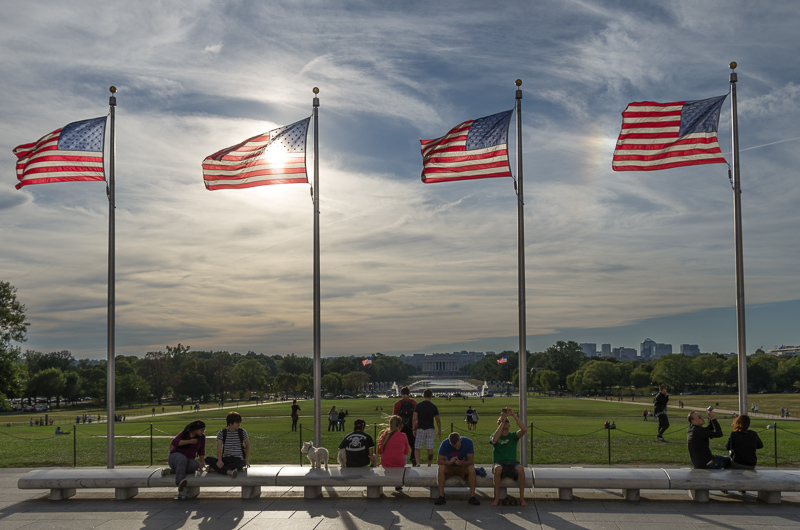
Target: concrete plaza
286	509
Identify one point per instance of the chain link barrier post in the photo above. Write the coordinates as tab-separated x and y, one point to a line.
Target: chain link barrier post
75	446
151	444
300	430
775	440
609	445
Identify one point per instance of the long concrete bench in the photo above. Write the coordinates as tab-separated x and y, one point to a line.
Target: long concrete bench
629	480
126	482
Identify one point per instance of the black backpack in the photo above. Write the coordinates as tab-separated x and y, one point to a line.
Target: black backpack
241	440
406	413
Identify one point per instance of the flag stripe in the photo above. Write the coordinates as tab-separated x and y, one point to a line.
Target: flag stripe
276	157
79	158
474	149
665	135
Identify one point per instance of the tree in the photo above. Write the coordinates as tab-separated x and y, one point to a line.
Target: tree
331	382
13	325
193	385
563	358
285	382
157	369
11	372
251	376
47	383
599	374
355	381
547	379
130	387
295	365
72	386
675	371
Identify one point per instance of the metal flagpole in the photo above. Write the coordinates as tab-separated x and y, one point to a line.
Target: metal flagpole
737	212
317	348
110	377
523	361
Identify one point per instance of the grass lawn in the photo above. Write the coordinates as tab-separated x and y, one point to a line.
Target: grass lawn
565	431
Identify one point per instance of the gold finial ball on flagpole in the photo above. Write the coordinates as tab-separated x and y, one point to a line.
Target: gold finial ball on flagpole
112	89
518	82
316	90
733	65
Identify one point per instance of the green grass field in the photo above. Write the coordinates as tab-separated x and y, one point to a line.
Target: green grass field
565	431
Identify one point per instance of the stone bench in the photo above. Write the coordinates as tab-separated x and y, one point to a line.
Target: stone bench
629	480
126	482
769	483
425	477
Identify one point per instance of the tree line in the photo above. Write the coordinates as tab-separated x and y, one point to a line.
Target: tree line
564	367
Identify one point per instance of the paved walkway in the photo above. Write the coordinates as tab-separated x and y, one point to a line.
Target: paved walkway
343	508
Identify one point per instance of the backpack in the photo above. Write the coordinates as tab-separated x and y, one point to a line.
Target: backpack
406	413
240	431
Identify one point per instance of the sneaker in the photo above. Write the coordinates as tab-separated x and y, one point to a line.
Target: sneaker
181	496
480	472
660	438
473	501
234	473
182	485
416	465
441	500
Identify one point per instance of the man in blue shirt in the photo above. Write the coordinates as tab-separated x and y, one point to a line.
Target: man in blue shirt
456	459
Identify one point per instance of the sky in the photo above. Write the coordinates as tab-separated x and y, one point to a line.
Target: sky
406	267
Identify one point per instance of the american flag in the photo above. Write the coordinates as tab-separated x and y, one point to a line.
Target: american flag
475	149
275	157
503	359
665	135
367	361
74	152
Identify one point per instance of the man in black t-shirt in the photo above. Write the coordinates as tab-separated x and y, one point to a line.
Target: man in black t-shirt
424	415
358	446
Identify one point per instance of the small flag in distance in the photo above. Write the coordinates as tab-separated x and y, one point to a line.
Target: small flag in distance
72	153
275	157
503	359
367	361
667	135
475	149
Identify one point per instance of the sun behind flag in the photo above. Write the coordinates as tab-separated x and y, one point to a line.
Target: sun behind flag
666	135
72	153
475	149
275	157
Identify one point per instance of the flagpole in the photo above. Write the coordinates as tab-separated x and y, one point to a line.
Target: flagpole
317	348
523	361
737	212
110	377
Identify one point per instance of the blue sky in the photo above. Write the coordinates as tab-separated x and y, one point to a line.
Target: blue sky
406	267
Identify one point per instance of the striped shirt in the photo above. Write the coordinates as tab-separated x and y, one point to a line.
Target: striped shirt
233	446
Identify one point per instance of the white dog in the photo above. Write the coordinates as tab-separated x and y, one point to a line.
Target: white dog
341	457
316	455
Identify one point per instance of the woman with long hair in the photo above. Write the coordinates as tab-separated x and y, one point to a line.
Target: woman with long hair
184	451
743	444
393	445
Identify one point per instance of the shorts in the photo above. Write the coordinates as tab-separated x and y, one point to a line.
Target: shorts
425	438
508	470
457	471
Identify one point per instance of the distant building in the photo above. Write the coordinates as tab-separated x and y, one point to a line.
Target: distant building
691	350
589	348
605	350
443	363
785	351
663	349
624	354
647	349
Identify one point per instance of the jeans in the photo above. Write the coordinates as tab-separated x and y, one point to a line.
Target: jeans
294	423
181	465
663	423
719	462
229	463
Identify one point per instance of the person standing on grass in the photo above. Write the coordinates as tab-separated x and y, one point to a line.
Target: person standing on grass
184	451
333	419
504	454
660	411
295	415
743	444
233	448
424	414
404	408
